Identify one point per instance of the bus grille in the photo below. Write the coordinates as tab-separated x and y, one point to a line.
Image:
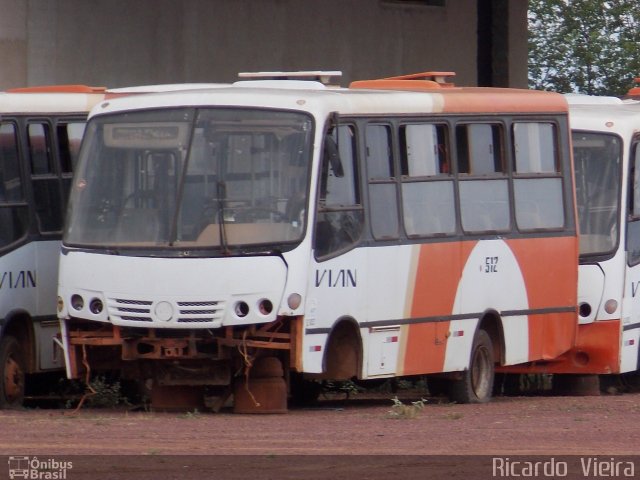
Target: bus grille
200	312
131	310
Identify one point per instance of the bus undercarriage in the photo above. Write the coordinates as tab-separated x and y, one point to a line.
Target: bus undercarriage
192	368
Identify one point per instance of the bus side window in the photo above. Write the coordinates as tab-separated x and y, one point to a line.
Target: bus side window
598	159
383	210
427	187
14	213
633	223
339	219
484	187
44	178
69	138
537	183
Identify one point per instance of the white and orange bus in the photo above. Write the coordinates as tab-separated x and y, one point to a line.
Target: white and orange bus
40	133
606	151
398	227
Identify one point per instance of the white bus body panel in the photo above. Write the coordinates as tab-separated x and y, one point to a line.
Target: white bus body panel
383	351
503	290
19	280
590	290
175	292
46	331
376	286
28	284
612	279
630	341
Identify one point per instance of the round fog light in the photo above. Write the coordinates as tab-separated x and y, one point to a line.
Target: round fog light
241	309
77	302
584	310
265	306
96	306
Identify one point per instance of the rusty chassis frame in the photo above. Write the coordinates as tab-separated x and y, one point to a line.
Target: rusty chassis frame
281	335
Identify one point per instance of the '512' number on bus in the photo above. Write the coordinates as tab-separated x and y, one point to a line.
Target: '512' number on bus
491	265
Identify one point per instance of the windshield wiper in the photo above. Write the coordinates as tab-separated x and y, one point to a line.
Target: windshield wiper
222	195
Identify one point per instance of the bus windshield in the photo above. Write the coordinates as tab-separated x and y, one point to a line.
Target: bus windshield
192	178
597	158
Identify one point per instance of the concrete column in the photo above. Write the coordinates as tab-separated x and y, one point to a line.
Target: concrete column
13	43
43	53
502	43
518	44
122	42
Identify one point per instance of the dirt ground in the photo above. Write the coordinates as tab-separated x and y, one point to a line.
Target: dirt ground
323	441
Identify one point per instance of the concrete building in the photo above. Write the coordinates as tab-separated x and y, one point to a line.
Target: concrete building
132	42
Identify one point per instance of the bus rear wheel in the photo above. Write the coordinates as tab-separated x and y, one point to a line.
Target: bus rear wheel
12	377
476	384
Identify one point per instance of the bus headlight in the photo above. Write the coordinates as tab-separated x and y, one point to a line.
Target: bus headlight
294	300
241	309
265	307
610	306
60	304
77	302
96	306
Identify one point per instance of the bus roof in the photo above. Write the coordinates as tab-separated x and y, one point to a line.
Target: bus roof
162	88
79	98
51	99
360	98
579	99
606	116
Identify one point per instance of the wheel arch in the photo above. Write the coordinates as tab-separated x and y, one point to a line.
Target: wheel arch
491	322
18	324
342	359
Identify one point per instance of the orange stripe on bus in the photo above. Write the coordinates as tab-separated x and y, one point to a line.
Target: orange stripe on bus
550	284
438	274
600	342
597	351
426	348
501	100
473	99
551	335
58	89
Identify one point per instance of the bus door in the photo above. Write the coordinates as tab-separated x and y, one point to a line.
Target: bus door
338	277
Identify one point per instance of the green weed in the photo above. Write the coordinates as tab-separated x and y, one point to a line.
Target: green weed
401	411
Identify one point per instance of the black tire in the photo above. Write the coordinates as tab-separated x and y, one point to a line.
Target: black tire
303	392
511	385
576	385
476	384
438	386
12	376
617	384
